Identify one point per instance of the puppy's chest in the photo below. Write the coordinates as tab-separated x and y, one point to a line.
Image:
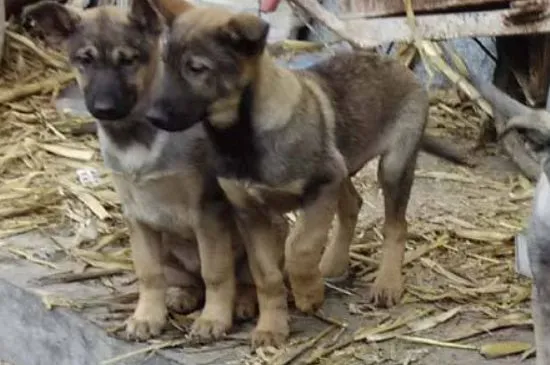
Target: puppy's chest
152	190
163	202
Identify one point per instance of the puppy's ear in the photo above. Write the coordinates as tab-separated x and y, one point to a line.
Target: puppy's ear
57	22
246	33
145	17
170	9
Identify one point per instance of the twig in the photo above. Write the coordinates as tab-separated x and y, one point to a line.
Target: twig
144	350
30	89
304	347
37	51
72	277
427	341
28	256
340	290
330	320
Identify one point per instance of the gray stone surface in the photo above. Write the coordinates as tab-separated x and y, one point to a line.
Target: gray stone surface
33	335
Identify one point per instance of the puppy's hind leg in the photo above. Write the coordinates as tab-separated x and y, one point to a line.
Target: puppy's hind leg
185	292
396	175
335	260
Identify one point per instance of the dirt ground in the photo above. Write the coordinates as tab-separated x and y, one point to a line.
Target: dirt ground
461	286
442	201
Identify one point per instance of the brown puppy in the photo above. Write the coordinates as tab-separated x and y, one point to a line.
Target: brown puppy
166	183
290	140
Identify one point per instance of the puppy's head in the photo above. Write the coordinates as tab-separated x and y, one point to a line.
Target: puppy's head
210	58
115	52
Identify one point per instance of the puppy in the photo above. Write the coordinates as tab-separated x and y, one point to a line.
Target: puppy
291	140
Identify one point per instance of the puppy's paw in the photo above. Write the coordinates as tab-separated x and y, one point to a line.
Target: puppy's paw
334	265
246	304
184	300
143	326
207	330
385	292
274	337
309	298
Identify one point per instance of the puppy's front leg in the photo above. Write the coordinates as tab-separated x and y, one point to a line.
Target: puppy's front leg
261	235
265	254
218	273
304	248
149	317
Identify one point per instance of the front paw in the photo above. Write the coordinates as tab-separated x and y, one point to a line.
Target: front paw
309	298
143	325
209	329
386	291
274	337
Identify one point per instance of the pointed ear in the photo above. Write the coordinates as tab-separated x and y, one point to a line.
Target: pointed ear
246	33
57	22
145	17
170	9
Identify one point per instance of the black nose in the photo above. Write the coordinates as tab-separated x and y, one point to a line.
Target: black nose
157	117
104	109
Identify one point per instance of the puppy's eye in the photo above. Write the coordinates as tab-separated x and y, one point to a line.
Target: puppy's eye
85	58
197	65
124	57
127	60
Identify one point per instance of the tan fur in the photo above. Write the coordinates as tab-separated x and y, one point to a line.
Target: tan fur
186	247
308	132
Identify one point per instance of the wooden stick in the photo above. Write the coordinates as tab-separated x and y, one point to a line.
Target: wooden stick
330	20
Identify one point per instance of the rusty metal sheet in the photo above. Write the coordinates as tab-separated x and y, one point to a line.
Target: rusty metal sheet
376	8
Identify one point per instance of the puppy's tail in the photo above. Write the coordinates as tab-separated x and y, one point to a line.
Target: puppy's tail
444	150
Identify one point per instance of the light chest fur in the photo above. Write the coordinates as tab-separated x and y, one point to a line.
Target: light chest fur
159	184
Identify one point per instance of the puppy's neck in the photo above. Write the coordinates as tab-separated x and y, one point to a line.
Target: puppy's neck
267	101
276	91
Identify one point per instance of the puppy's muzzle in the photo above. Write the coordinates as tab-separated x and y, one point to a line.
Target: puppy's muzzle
161	118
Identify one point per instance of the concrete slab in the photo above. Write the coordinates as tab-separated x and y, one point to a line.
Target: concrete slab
37	336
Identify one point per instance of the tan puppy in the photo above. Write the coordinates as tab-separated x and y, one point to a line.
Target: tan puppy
288	140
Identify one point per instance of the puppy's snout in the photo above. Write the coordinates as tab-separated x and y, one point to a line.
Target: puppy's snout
104	108
157	117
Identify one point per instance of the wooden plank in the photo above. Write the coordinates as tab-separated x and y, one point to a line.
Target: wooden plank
379	31
2	27
376	8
